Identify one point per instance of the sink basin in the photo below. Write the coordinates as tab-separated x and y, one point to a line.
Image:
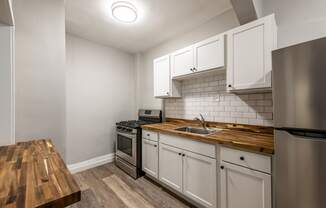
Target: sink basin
196	130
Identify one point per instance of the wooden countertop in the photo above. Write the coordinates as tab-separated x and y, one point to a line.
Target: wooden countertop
32	174
253	138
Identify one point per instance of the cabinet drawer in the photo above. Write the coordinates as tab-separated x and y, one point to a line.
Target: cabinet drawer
150	135
189	144
247	159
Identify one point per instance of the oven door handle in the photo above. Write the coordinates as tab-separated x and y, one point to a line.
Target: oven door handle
127	135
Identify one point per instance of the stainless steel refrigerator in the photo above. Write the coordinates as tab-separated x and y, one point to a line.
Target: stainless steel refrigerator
299	94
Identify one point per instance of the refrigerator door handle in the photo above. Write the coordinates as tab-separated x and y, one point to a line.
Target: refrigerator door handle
305	133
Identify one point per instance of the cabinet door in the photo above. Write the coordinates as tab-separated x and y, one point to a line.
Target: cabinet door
182	61
150	157
162	76
244	188
199	178
209	54
170	166
250	55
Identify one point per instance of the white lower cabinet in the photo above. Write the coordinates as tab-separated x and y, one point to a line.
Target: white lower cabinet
150	157
244	188
170	166
191	174
190	168
199	178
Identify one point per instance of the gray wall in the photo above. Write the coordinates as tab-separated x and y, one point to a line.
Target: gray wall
6	85
297	20
100	92
40	70
144	66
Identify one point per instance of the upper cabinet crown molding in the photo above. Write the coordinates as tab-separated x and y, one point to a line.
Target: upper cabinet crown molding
249	56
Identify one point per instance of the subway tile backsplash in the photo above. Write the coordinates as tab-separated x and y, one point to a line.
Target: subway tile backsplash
208	96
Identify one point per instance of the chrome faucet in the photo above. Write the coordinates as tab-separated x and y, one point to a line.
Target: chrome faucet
202	121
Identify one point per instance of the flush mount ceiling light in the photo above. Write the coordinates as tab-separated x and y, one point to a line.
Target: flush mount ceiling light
124	12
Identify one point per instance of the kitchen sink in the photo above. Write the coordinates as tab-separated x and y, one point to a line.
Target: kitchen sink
196	130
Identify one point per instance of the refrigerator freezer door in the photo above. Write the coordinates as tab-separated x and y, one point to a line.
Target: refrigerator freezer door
300	171
299	86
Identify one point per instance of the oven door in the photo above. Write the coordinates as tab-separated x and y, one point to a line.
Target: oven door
126	147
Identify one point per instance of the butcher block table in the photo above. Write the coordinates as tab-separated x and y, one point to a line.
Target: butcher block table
32	174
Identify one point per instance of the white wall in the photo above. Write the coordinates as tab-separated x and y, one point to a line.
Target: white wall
297	20
40	70
145	94
6	85
100	91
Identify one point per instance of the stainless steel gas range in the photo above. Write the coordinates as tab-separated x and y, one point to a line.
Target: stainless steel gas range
128	143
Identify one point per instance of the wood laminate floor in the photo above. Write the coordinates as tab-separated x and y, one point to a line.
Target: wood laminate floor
108	186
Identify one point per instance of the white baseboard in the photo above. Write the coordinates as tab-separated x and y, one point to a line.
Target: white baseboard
91	163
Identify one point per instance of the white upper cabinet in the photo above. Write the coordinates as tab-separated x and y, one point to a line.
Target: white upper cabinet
202	56
162	76
183	61
249	57
163	84
209	54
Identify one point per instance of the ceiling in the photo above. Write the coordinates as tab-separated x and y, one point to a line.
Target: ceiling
159	20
